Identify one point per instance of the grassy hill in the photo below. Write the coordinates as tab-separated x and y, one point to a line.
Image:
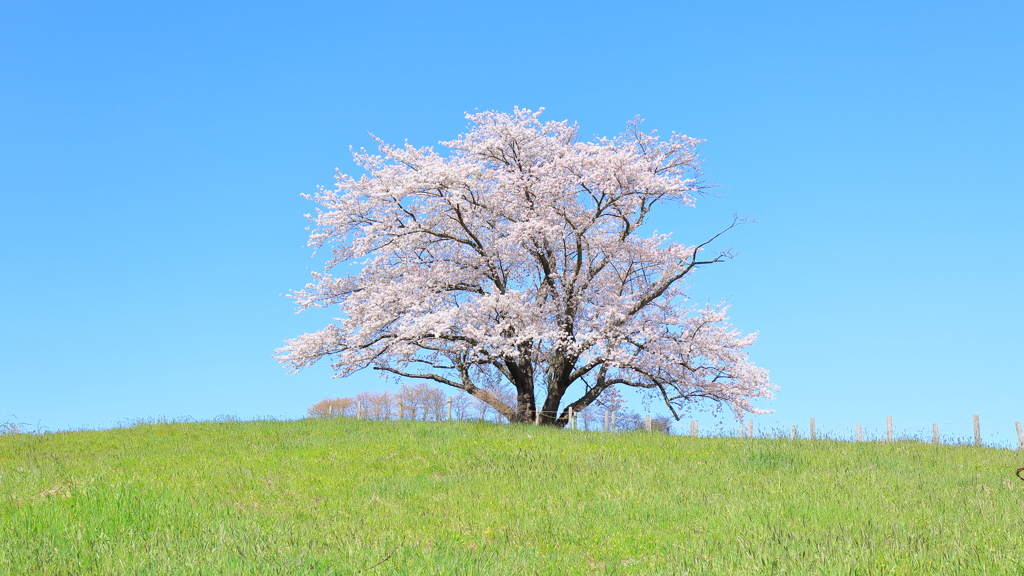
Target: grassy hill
344	496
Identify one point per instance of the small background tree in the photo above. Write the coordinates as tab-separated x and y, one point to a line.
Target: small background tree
461	405
333	408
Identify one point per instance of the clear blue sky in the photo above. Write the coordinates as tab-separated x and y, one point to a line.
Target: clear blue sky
152	155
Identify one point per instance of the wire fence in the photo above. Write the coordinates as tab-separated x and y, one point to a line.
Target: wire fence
397	407
976	432
991	434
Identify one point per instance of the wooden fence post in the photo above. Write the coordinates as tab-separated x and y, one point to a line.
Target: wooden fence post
935	434
750	428
814	433
858	434
647	422
977	431
359	410
695	432
888	428
569	424
1020	436
794	431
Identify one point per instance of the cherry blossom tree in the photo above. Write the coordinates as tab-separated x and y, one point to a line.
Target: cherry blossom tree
520	258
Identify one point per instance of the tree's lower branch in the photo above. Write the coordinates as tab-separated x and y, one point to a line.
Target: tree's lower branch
433	377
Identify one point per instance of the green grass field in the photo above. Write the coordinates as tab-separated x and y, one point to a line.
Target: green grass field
346	496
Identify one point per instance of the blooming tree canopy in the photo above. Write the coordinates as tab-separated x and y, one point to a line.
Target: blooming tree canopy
519	259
